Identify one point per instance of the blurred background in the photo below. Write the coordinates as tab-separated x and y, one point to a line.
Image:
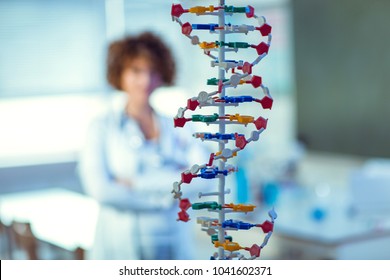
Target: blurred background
323	161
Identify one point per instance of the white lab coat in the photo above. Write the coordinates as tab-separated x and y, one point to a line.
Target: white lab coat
140	222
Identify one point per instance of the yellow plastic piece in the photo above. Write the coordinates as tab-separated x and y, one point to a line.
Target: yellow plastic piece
241	207
242	119
228	245
207	45
219	153
245	119
201	9
198	10
234	117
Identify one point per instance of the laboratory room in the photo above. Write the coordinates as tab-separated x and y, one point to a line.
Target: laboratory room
164	130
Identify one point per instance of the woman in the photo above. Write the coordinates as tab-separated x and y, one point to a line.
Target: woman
133	156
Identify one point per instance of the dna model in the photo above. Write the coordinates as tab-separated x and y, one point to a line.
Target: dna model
217	166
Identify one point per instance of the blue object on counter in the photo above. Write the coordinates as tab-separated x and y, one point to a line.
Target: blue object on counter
242	186
318	214
270	193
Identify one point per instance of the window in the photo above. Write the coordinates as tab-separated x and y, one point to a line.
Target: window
51	47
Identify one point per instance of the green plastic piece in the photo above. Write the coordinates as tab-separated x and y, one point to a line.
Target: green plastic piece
203	118
235	45
206	205
232	9
214	81
214	238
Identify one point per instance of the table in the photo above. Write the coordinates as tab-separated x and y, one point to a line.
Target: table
57	216
339	235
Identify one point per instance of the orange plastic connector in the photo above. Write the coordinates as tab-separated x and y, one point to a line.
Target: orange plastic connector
202	10
207	45
228	246
198	10
241	119
240	207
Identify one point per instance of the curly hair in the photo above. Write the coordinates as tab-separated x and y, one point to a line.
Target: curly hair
148	45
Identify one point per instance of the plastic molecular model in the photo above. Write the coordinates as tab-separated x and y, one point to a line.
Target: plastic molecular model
217	166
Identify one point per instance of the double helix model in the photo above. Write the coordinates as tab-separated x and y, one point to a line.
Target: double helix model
217	166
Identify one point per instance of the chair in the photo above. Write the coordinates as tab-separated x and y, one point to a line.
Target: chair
79	253
5	244
24	239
